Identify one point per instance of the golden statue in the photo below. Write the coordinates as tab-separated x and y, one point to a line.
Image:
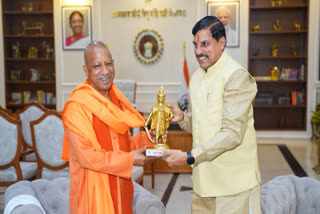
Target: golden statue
255	28
297	27
275	49
161	115
32	52
276	26
276	3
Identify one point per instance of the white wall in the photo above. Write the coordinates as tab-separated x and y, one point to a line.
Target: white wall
120	33
69	62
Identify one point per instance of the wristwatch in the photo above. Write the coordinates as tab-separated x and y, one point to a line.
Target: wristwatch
190	159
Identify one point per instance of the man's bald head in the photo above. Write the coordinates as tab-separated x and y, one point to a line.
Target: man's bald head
99	67
92	45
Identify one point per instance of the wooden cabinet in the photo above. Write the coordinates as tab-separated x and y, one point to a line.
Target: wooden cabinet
28	36
176	140
280	39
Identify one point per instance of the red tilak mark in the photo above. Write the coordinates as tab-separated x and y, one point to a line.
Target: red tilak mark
197	38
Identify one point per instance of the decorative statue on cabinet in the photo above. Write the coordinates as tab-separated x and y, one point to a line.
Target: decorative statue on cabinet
32	52
276	3
275	49
49	51
16	51
297	27
276	26
256	28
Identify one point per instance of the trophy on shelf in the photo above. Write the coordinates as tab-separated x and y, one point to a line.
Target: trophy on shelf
275	49
28	7
297	27
36	26
34	74
14	74
49	51
16	50
276	26
256	28
276	3
160	116
32	52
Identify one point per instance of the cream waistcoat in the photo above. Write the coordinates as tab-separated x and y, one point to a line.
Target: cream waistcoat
235	170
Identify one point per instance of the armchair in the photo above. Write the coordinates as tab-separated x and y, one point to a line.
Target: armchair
30	112
11	170
5	110
47	141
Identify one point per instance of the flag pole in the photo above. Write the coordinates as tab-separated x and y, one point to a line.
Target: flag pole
184	49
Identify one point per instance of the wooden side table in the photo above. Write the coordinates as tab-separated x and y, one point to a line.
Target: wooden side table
180	140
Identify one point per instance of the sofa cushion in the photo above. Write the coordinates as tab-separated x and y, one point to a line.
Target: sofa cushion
278	196
308	194
28	170
291	195
52	174
54	197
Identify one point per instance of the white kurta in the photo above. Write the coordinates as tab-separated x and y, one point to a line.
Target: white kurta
224	140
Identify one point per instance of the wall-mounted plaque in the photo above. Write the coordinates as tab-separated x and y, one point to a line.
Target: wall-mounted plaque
148	46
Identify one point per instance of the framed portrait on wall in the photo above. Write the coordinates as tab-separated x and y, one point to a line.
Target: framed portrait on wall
228	13
76	27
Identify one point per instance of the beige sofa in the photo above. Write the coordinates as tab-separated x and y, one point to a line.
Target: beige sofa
52	197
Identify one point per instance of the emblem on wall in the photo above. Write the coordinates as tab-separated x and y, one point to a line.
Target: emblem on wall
148	46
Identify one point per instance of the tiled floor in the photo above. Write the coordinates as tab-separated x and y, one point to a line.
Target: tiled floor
272	163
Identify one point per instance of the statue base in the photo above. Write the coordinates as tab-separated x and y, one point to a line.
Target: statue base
157	150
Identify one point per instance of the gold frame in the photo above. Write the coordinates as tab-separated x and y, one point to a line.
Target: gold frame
148	46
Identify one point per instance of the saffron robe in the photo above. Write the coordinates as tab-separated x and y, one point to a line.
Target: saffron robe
100	164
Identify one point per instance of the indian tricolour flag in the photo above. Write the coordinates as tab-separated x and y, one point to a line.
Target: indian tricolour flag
183	97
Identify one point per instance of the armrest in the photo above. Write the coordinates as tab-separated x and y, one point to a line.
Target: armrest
145	202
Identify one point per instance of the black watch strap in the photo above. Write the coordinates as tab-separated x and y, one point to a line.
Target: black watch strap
190	159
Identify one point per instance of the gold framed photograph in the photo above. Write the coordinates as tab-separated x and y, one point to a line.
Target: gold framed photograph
228	12
148	46
76	27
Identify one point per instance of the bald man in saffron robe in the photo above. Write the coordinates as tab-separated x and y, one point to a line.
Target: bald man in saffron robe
100	151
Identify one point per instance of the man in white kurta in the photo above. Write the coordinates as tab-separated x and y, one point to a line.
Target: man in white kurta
226	176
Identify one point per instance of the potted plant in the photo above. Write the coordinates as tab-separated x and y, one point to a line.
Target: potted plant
315	123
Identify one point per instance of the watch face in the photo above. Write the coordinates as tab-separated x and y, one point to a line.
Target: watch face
190	159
